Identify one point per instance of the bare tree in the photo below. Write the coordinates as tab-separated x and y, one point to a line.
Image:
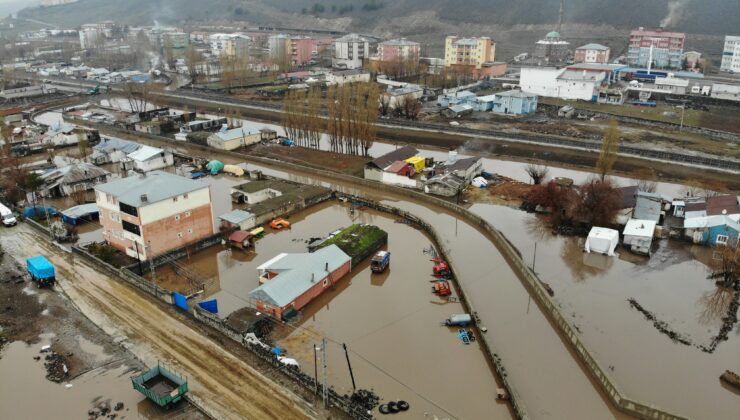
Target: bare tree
646	180
385	103
538	173
726	265
412	107
193	60
609	150
598	202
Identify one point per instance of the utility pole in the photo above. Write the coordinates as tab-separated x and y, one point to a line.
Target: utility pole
46	212
138	258
534	257
683	109
351	375
323	356
315	369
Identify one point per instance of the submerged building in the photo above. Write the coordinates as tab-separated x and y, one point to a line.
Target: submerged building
289	282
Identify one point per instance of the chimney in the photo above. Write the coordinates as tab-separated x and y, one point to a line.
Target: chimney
327	267
312	277
144	198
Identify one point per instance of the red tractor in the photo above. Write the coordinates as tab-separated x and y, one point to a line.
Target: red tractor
441	268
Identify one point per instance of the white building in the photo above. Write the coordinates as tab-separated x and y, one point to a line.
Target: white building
672	84
579	81
350	51
726	92
233	139
638	235
231	45
731	54
347	76
148	158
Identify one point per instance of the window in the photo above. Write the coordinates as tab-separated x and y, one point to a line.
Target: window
133	211
130	227
187	214
174	199
184	196
326	282
722	239
177	217
190	230
179	234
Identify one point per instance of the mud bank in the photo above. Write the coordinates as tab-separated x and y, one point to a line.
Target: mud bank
50	348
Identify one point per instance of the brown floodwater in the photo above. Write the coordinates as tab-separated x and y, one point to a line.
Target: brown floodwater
593	290
29	395
390	322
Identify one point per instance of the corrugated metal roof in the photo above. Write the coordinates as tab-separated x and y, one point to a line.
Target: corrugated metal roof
75	172
81	210
236	216
711	221
234	133
155	185
108	145
647	206
515	93
297	273
387	159
145	153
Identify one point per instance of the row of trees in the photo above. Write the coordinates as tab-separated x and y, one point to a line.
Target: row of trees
347	113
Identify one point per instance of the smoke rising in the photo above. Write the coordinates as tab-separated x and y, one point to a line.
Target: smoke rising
676	13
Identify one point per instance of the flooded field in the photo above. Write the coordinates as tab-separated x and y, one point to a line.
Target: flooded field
593	291
389	322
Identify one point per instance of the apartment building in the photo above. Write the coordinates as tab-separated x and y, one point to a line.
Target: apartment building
351	51
469	51
398	49
657	48
731	54
230	45
151	214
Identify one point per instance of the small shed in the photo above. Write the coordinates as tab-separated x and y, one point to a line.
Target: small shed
638	235
241	239
602	240
239	219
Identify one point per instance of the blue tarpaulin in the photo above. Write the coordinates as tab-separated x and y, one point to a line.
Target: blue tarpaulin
40	267
39	211
210	305
277	351
180	301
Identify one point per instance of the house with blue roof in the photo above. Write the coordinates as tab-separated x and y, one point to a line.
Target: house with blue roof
289	282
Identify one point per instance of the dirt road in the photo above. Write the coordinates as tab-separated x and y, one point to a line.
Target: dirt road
221	383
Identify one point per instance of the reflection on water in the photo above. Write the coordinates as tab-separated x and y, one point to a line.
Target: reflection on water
390	322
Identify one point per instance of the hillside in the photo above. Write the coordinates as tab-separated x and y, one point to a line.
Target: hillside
516	25
695	16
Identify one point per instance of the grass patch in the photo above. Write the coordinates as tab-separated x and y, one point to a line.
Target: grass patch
717	118
358	241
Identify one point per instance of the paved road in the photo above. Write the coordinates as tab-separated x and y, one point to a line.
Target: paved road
223	384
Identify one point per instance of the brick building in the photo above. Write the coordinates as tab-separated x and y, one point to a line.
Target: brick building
152	214
398	49
289	282
592	53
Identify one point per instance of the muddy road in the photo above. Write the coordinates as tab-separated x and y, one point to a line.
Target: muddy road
223	384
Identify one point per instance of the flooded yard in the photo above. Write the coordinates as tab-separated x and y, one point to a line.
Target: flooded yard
593	291
390	322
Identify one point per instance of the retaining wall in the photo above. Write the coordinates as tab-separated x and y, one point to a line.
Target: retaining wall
608	386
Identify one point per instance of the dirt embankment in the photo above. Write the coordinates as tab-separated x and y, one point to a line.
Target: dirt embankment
337	162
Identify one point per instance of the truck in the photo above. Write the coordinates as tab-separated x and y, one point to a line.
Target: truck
160	385
7	216
380	261
41	271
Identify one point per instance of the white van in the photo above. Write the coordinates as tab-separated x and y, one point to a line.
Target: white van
7	216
